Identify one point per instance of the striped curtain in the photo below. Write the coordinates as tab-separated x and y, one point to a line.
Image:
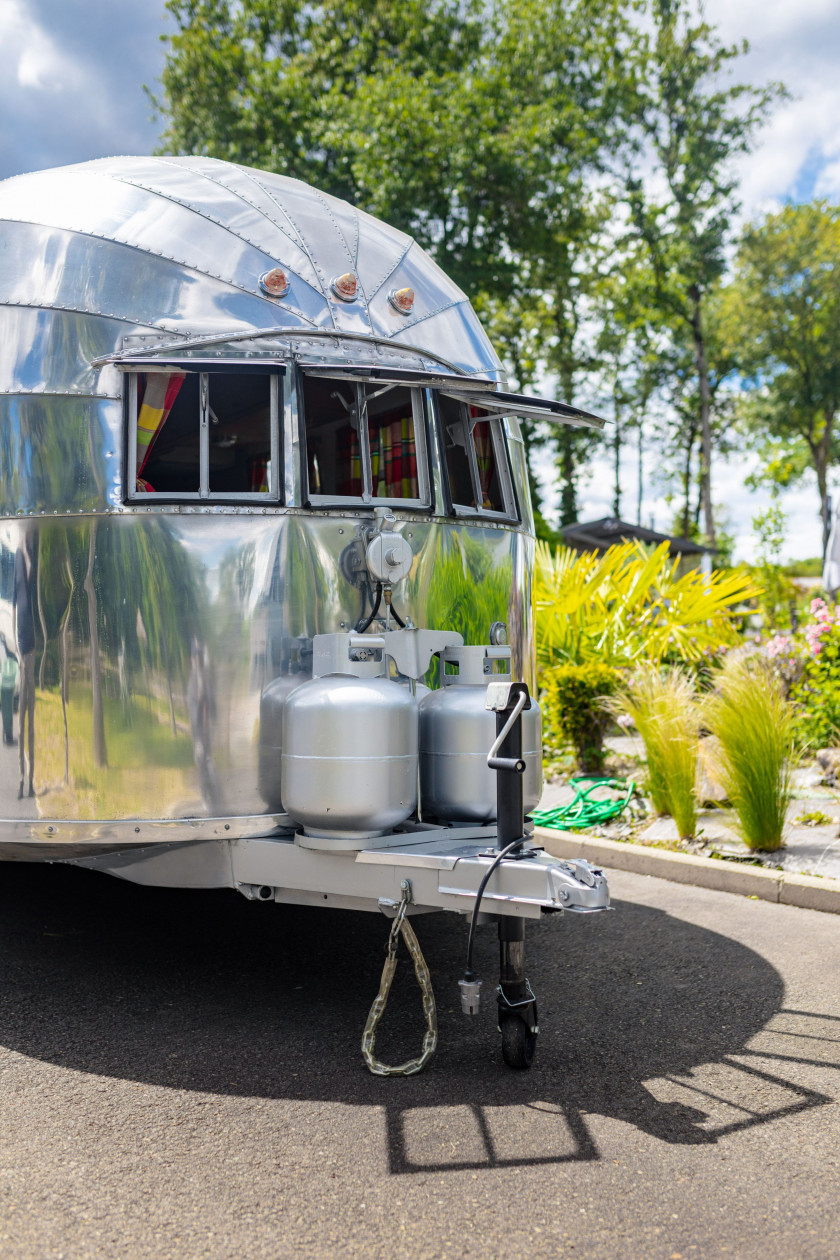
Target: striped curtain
483	440
154	406
394	461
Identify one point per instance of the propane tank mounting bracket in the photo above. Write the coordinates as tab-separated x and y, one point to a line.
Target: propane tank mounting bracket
362	655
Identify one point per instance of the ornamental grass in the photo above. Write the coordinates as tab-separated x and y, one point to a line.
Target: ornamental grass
754	753
663	708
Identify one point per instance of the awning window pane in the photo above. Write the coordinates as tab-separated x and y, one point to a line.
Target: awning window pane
240	433
331	416
490	490
455	439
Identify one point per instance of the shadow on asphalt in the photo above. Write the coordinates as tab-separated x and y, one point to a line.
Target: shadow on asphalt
205	991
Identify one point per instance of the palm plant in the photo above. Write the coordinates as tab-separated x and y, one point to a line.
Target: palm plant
754	753
663	708
631	604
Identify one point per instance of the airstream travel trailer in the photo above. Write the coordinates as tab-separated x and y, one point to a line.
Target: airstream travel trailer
266	557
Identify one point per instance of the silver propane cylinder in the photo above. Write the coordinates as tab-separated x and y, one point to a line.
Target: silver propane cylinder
272	704
349	760
456	732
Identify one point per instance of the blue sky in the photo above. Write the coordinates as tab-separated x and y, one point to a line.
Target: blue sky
72	89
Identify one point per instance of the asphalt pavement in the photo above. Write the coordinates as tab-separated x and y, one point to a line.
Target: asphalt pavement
180	1077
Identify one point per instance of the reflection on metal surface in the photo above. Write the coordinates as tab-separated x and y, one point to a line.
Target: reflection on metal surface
147	641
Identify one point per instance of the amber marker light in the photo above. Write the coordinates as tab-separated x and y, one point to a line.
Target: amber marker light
345	287
402	300
275	282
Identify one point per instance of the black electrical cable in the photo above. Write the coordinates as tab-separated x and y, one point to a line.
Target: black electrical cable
360	629
363	603
468	974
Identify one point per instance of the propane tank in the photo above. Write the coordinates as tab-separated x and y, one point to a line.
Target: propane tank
349	759
272	703
456	732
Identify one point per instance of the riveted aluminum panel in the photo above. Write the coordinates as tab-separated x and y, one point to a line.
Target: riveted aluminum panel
59	454
49	351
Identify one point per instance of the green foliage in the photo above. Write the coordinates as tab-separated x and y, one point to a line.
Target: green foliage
662	706
572	701
814	818
753	727
783	316
771	531
630	604
812	567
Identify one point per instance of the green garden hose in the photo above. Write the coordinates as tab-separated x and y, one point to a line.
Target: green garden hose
583	812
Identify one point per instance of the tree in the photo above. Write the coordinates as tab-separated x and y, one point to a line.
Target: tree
783	316
693	125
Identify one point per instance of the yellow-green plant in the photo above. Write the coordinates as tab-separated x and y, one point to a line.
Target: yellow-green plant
663	707
572	701
631	604
754	753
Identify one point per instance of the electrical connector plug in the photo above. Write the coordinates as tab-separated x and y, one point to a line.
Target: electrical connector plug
470	988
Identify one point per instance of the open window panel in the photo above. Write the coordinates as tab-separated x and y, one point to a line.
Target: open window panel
204	435
477	466
365	441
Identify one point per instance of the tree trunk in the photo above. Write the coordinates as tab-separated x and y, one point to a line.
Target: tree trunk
640	471
617	465
568	493
705	418
100	751
686	479
819	457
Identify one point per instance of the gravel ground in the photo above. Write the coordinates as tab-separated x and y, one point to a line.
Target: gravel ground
181	1078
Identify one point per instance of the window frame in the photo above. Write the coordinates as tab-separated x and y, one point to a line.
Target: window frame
419	412
205	370
511	513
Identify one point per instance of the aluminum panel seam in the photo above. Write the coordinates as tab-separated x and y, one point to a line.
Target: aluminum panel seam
268	302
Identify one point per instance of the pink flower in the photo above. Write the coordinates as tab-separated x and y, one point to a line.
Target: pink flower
778	644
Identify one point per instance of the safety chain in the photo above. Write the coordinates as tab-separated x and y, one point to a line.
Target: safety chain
424	979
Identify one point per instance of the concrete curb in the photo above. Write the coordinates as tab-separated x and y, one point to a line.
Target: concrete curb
807	891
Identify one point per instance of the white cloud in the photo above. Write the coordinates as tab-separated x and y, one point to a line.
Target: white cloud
32	56
795	42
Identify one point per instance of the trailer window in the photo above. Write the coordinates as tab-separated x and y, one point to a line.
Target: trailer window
364	441
476	463
206	435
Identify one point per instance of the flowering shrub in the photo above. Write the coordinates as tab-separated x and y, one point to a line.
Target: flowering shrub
811	673
787	656
825	619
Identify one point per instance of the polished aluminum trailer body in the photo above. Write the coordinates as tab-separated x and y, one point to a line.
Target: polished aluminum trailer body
156	624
